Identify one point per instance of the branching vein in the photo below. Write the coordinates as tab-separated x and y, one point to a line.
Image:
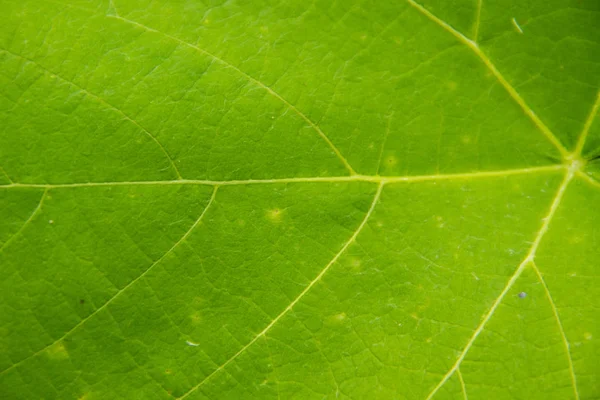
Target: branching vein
488	63
588	179
253	80
561	330
299	297
5	174
121	291
477	21
463	387
31	217
105	103
529	258
587	125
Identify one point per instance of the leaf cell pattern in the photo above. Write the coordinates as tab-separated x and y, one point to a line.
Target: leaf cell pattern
289	200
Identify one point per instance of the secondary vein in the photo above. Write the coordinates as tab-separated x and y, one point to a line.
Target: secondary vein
251	79
529	258
105	103
560	328
488	63
299	297
587	125
27	221
120	291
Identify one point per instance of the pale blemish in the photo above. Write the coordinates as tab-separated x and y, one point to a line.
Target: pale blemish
264	29
587	336
355	263
51	221
198	300
576	239
192	343
516	25
58	351
340	317
466	139
363	37
274	214
391	161
522	295
196	318
451	85
475	276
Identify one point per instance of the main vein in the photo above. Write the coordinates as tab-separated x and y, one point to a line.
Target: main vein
120	291
490	65
300	296
315	179
529	258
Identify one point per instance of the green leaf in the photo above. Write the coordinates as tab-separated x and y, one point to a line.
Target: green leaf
282	199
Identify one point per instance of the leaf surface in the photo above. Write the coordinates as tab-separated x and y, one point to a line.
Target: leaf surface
281	199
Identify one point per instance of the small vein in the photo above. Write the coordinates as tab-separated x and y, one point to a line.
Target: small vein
316	179
121	291
560	328
27	221
299	297
490	65
385	138
5	174
104	102
251	79
477	20
529	258
112	8
588	124
462	384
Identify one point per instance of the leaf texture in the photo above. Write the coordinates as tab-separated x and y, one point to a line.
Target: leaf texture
291	200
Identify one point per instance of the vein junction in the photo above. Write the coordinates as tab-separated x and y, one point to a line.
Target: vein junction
527	261
571	167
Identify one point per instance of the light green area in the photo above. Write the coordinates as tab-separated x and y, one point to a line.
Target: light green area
291	200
